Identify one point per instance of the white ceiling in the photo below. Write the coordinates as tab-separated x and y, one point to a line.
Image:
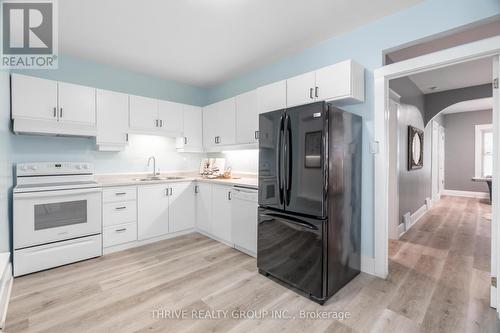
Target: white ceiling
462	75
479	104
205	42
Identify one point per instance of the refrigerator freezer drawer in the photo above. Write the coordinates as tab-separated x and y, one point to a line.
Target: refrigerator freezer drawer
291	249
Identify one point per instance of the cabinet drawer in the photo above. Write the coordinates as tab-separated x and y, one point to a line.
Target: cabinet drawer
119	213
119	234
114	194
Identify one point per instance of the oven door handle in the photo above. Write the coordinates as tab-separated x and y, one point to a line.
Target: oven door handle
56	193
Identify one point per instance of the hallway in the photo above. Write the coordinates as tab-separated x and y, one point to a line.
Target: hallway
442	267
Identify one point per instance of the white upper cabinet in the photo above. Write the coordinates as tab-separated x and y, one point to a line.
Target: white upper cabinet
112	120
143	113
171	120
272	97
219	123
247	118
192	141
77	104
182	207
34	98
300	89
51	107
344	80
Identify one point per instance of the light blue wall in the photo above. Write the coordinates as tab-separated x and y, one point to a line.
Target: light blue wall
365	45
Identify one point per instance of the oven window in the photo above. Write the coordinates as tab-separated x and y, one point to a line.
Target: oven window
60	214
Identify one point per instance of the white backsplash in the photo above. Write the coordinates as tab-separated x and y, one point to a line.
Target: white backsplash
246	161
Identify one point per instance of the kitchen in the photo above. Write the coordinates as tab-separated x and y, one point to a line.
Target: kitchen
136	180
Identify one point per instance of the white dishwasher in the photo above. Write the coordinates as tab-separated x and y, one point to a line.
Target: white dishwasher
244	216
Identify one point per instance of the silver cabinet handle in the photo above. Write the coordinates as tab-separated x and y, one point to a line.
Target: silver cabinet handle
120	193
60	112
156	123
316	91
185	140
161	122
121	230
256	135
196	189
166	192
121	208
229	195
171	191
55	112
311	93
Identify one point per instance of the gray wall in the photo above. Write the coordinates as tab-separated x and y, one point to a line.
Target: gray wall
437	102
414	185
459	149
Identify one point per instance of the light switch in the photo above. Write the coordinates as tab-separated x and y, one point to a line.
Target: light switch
374	147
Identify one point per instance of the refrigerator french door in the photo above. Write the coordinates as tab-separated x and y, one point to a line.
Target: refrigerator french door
293	159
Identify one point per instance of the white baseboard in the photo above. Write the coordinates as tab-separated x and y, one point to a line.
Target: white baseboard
467	194
411	219
401	229
368	265
5	286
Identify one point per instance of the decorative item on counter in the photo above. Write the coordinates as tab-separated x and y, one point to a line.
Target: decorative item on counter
212	167
227	173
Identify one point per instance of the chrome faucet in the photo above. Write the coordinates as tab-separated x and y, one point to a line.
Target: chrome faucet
154	165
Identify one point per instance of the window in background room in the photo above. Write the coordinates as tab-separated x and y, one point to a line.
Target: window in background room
484	150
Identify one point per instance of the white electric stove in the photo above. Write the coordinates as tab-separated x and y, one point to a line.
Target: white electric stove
57	215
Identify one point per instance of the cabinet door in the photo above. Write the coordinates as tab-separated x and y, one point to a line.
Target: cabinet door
221	214
152	211
226	121
204	207
181	211
143	113
193	128
272	97
247	118
300	89
334	81
76	104
209	123
221	123
171	118
112	117
34	98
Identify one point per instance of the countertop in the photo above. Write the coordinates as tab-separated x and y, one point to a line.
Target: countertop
109	180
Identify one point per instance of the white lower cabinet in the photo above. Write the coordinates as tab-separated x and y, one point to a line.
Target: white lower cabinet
119	215
181	213
119	234
204	207
221	212
152	210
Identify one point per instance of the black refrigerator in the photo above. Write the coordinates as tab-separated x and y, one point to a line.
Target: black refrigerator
309	227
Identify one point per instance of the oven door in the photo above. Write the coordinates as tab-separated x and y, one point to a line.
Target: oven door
50	216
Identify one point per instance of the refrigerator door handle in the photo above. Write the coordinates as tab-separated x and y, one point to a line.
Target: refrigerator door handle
279	162
288	159
289	219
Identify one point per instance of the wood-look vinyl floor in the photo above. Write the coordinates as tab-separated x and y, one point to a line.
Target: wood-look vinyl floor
438	282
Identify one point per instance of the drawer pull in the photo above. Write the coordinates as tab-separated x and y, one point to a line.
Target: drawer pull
120	208
121	230
120	193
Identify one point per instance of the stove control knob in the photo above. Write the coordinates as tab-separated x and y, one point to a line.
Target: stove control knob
85	166
24	167
33	167
78	166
